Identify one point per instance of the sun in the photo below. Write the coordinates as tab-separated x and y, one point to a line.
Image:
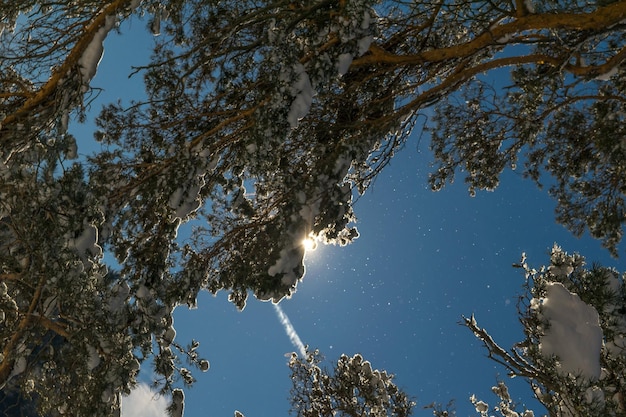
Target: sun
309	244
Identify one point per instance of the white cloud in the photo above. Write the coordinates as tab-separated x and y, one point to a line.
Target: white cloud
142	402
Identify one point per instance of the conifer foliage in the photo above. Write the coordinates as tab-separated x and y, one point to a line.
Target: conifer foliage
573	354
262	120
352	388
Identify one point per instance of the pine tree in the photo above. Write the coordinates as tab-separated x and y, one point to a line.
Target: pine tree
351	389
573	354
262	120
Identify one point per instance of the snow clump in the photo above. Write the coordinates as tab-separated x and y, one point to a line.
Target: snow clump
303	92
89	60
573	333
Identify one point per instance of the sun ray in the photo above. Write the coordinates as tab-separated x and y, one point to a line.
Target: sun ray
309	244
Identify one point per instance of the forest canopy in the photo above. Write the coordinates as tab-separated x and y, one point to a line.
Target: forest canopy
262	121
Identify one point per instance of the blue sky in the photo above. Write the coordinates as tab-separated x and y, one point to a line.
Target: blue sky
396	295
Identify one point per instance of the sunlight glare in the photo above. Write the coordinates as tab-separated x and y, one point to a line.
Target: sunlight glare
309	244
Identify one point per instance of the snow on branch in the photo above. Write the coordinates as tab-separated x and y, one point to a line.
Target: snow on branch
86	51
92	54
511	361
573	335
